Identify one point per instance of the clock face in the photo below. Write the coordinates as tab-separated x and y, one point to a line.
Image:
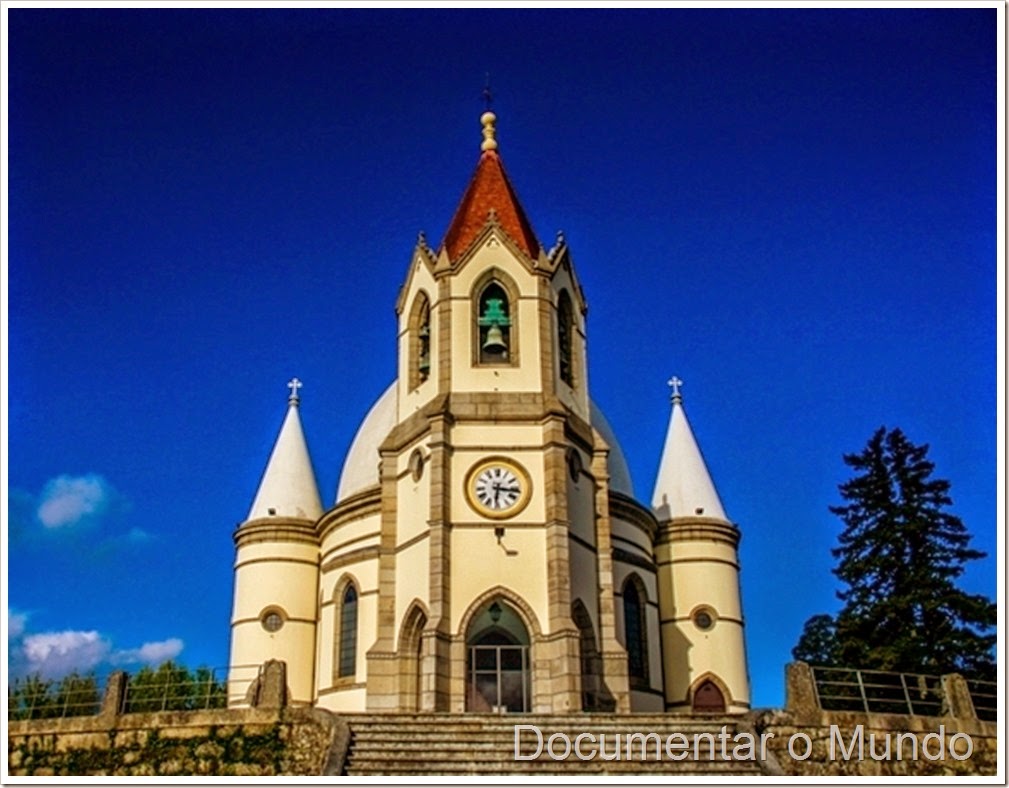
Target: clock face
498	488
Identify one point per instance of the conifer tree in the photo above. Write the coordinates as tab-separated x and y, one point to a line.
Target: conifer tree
899	555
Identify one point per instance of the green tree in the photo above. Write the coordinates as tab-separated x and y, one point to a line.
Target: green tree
30	698
34	697
172	687
77	695
899	555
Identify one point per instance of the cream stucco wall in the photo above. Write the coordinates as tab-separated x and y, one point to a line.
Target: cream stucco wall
695	574
581	500
480	563
283	577
585	582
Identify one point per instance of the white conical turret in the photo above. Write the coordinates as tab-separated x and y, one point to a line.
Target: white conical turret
288	487
683	487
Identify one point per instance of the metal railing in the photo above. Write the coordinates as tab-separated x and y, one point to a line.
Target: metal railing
849	689
175	690
35	698
167	688
984	695
240	679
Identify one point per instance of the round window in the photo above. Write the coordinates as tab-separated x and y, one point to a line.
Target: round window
703	619
272	621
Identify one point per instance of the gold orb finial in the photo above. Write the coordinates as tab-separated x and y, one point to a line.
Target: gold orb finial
487	120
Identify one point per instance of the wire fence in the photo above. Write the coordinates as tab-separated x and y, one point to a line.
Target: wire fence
35	698
984	694
848	689
175	690
169	687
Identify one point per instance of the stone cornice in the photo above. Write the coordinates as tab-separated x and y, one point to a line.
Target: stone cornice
276	529
627	557
628	510
484	407
698	529
360	504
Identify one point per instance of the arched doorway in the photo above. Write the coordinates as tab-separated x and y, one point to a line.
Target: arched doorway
708	699
497	661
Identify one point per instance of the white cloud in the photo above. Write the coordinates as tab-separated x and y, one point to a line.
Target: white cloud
59	653
66	500
152	653
55	654
15	624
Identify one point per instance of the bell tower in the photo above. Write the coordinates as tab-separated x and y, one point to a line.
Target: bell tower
490	476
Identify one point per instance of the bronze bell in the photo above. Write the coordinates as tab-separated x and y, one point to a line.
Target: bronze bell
495	340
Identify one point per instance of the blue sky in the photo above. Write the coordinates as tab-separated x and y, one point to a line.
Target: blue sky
792	210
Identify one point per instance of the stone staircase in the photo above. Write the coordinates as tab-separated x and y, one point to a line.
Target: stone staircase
469	744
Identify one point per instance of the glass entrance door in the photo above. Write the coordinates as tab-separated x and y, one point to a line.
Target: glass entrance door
498	679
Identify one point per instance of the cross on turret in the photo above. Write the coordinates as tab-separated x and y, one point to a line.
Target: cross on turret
674	383
294	385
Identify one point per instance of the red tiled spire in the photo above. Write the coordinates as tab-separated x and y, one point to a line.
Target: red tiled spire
489	190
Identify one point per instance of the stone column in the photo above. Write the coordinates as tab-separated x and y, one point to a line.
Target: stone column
558	653
800	690
436	670
115	695
958	702
614	655
382	659
272	691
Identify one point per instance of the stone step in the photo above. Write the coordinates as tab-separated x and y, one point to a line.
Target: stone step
547	719
545	730
369	760
471	744
436	729
576	769
572	769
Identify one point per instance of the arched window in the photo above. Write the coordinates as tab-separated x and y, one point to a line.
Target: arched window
635	632
565	338
420	341
347	650
494	325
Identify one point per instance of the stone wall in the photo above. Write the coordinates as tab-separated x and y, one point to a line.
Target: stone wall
240	742
265	740
836	743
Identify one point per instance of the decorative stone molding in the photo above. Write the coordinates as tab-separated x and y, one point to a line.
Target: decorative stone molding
276	529
698	529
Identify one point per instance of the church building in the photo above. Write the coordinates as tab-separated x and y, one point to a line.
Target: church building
486	551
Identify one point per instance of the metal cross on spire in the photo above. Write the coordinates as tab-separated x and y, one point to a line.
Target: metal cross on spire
674	383
294	385
488	97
